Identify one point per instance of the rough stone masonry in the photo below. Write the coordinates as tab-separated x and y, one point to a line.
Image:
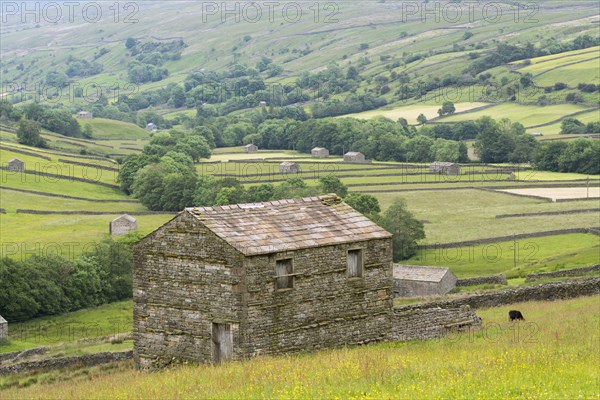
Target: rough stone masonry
237	281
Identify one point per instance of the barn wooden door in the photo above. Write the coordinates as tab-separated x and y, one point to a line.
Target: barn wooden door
222	342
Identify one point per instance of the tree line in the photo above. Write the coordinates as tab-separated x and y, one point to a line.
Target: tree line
49	285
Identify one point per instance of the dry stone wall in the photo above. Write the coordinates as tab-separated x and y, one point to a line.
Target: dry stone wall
480	280
563	273
420	323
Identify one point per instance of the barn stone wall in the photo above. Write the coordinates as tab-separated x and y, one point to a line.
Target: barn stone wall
411	288
122	226
420	323
325	308
185	279
3	332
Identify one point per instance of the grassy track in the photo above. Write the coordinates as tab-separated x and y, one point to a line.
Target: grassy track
551	355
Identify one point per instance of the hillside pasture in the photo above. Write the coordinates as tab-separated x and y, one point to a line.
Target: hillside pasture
470	214
13	200
558	193
103	128
24	235
411	112
551	355
572	68
528	115
533	255
552	131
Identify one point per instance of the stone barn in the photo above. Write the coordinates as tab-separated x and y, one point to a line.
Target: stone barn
250	148
289	167
16	165
320	152
446	168
151	127
3	330
237	281
354	157
416	281
84	115
123	225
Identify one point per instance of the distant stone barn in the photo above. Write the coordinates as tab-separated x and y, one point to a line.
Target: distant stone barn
250	148
16	165
237	281
355	157
319	152
446	168
289	167
123	225
416	281
3	330
85	115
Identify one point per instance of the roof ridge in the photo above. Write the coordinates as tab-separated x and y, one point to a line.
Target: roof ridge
327	199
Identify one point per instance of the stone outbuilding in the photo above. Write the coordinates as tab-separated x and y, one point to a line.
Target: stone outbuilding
123	225
151	127
355	157
85	115
319	152
250	148
237	281
536	134
16	165
416	281
3	330
446	168
289	167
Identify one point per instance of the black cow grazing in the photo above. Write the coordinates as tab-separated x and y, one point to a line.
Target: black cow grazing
515	315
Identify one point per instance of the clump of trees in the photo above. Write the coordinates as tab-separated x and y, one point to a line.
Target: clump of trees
580	156
572	125
48	285
28	133
503	141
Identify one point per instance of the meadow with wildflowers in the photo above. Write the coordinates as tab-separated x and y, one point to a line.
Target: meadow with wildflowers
553	354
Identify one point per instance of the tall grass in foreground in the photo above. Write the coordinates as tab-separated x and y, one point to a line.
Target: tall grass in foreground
553	354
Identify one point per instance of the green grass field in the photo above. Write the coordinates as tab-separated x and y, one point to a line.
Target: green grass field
553	354
411	112
572	68
533	255
111	129
553	130
471	214
528	115
97	322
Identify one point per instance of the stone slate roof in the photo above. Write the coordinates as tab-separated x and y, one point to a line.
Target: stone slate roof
288	164
125	216
353	153
442	164
283	225
318	149
2	320
15	159
419	273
